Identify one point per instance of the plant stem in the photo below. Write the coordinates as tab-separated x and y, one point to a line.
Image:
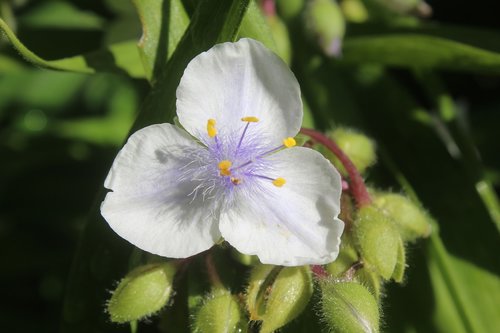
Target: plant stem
212	271
319	271
357	185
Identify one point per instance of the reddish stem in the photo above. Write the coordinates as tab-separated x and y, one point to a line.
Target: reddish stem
319	271
357	185
212	271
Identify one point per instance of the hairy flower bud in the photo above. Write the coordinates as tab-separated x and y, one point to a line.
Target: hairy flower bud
325	22
220	312
354	11
347	257
399	269
358	147
411	220
378	240
290	9
141	293
278	295
349	307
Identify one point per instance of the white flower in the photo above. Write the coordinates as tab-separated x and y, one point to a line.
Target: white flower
233	172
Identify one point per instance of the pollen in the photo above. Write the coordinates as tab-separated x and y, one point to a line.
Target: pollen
278	182
235	181
250	119
211	129
289	142
224	167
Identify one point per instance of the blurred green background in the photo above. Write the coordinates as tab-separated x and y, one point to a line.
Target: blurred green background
435	121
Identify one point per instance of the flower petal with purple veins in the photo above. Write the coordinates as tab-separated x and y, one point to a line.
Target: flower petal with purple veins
175	196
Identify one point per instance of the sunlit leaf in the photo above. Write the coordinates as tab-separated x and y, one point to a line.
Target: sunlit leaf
163	25
417	49
120	58
61	15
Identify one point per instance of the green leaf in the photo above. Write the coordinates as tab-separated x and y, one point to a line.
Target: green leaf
159	105
8	64
60	15
255	26
417	49
120	58
163	25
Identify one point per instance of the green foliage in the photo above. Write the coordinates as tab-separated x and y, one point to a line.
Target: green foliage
426	93
124	58
163	25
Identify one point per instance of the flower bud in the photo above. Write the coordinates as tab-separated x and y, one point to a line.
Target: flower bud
346	258
354	11
358	147
412	221
220	312
371	280
277	295
290	9
349	307
141	293
261	278
325	22
378	240
399	270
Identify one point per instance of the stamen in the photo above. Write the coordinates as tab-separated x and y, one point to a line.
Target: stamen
224	167
211	129
250	119
278	182
289	142
235	181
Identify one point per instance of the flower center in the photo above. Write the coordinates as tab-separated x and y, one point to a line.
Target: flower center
231	169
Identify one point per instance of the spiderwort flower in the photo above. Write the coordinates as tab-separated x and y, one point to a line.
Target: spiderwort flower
233	171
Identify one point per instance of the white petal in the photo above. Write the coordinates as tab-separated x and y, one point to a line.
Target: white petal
235	80
292	225
150	205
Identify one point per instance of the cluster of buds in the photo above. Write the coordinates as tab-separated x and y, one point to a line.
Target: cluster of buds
349	290
325	21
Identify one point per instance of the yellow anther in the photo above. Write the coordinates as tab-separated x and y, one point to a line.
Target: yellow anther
250	119
225	164
278	182
224	167
289	142
235	181
212	131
